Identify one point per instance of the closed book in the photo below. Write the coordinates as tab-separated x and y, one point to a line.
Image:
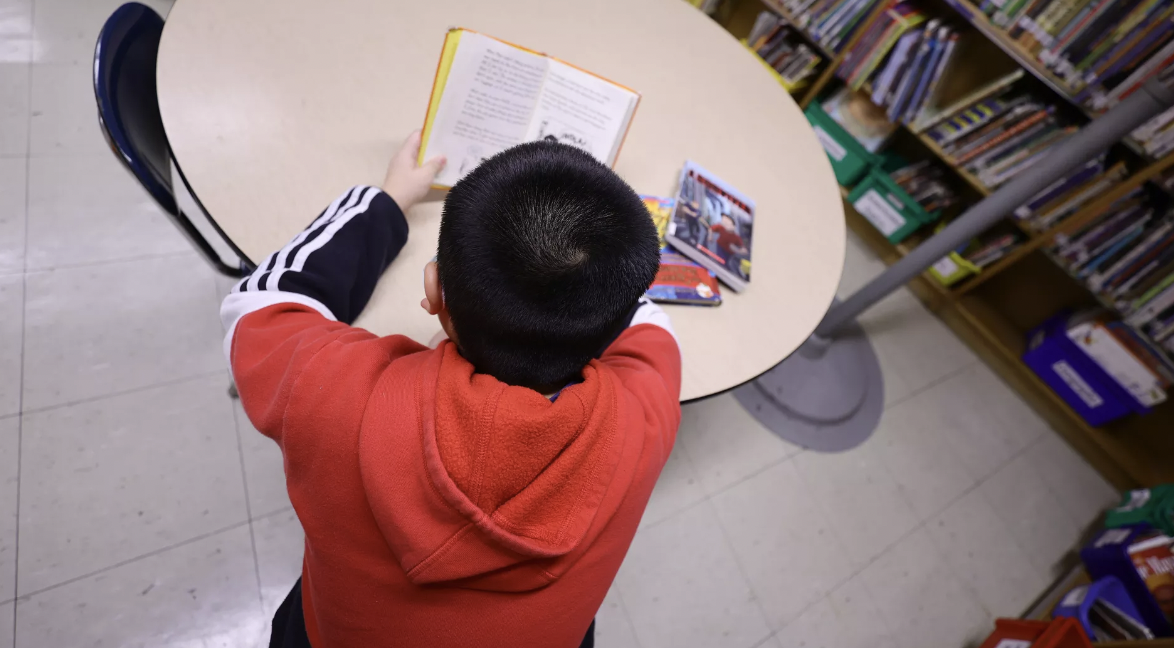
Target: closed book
1160	60
1026	15
713	224
1104	26
1153	242
934	113
1011	131
1151	304
1085	19
911	73
1074	179
978	125
1124	53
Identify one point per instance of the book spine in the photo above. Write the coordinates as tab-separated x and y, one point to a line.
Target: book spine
1101	29
1005	135
1161	300
1098	280
1123	54
1085	18
1158	61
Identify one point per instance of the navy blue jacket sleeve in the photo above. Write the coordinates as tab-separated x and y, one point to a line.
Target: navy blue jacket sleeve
335	262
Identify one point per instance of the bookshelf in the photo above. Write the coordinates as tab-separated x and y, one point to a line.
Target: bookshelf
993	311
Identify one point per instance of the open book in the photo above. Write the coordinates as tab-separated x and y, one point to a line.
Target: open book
490	95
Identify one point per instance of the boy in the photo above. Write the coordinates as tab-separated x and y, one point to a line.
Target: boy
484	492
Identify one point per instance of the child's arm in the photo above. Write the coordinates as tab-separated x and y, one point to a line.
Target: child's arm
648	360
294	311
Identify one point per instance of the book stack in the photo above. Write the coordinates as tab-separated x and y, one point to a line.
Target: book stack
1126	255
984	253
679	279
883	35
1065	196
910	79
779	46
1102	49
1157	134
1142	370
1001	136
924	184
831	23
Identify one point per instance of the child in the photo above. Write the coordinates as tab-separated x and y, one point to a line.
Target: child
484	492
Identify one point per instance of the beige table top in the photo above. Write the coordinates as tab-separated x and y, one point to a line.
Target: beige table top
273	107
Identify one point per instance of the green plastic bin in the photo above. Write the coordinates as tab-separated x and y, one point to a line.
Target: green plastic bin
886	205
850	161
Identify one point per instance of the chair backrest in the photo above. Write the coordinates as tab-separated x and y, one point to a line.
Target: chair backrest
128	106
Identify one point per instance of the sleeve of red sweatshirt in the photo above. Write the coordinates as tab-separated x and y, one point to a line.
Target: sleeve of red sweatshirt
647	358
294	311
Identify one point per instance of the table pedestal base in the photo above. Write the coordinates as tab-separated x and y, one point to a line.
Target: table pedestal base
827	396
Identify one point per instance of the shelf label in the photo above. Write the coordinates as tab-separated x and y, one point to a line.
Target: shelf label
879	212
945	267
830	144
1082	389
1013	643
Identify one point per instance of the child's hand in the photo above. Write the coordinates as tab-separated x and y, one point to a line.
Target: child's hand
407	183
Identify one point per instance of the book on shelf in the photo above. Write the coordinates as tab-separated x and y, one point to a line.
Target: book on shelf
1062	199
875	44
1100	342
713	224
925	184
933	114
679	279
863	120
831	23
489	95
779	47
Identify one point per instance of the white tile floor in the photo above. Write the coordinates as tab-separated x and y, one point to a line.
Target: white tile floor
138	508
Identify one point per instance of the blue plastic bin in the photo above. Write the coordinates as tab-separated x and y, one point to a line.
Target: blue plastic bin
1079	380
1108	555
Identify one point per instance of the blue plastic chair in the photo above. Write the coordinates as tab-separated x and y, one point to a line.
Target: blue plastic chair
128	111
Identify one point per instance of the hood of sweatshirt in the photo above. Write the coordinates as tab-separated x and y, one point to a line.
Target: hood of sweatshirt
514	482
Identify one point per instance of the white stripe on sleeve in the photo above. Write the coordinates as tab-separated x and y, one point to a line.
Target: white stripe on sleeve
237	305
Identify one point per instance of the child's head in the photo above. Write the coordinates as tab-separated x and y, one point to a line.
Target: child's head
543	252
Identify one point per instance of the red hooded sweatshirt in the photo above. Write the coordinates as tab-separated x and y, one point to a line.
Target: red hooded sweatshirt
441	507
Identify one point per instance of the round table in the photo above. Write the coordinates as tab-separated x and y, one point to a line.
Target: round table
273	107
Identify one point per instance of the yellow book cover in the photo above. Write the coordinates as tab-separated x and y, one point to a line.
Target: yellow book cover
489	95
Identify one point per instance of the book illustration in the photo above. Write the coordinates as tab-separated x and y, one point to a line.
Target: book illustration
473	157
713	225
490	95
552	130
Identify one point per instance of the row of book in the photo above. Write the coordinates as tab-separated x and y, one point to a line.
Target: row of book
1126	255
925	184
1066	196
1157	134
1001	136
782	48
831	23
904	55
1102	49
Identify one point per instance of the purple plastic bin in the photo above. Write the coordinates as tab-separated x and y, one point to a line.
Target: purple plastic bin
1080	381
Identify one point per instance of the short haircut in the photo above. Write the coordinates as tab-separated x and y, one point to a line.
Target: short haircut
543	253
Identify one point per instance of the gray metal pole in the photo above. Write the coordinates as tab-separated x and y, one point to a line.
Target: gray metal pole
1094	138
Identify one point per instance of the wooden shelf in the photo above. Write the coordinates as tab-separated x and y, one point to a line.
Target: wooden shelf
993	311
1013	49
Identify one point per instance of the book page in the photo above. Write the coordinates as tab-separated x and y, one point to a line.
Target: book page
488	101
582	110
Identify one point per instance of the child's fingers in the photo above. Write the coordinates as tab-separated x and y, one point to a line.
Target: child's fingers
434	165
411	145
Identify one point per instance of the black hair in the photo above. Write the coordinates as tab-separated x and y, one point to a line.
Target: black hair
543	253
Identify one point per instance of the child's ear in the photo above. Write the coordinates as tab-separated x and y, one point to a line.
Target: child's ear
433	301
